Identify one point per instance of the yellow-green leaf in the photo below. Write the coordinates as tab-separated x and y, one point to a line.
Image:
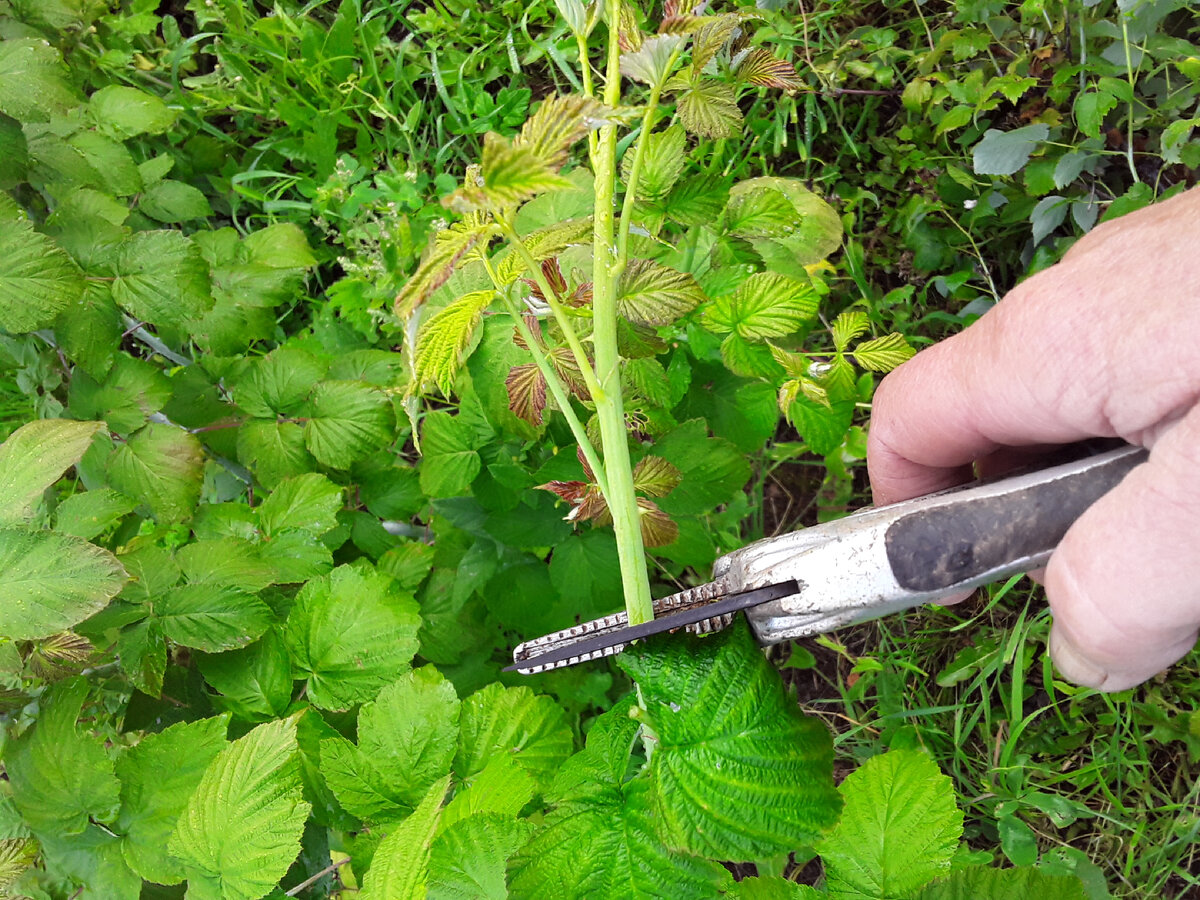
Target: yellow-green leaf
847	326
765	305
442	341
449	247
655	477
558	123
709	109
883	354
652	294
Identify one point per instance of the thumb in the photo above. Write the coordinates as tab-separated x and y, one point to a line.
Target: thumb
1124	584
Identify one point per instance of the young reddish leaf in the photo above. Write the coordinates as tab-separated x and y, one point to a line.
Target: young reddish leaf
526	392
587	467
655	476
567	368
558	123
657	528
629	31
709	109
651	294
763	68
543	244
592	506
554	278
571	491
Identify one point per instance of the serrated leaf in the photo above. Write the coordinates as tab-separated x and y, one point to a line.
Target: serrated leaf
713	33
709	109
39	279
765	305
698	200
349	633
974	882
34	457
160	277
142	653
468	860
658	530
51	582
655	477
1090	108
127	112
662	163
498	720
60	778
544	243
211	617
449	461
502	787
739	772
87	514
557	125
399	869
16	856
713	469
306	503
33	81
296	556
255	682
274	450
132	391
443	339
771	887
526	386
446	251
157	776
509	174
821	422
849	325
174	202
763	68
347	421
787	241
653	294
162	466
226	561
899	828
748	358
651	63
116	171
278	384
600	841
882	354
240	830
1006	152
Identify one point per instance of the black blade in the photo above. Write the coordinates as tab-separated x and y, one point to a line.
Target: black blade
730	604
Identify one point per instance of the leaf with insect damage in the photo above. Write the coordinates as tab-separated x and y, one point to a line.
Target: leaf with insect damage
558	123
883	354
763	68
652	294
655	477
709	109
449	247
442	341
526	392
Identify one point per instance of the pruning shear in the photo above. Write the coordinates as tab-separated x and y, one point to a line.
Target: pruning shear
874	562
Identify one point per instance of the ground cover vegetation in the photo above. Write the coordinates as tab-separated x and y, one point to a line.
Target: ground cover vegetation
313	408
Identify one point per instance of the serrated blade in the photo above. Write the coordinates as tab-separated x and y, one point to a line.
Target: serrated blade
612	634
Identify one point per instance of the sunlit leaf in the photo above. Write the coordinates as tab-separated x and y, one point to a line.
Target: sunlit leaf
446	250
39	279
557	124
35	456
651	62
443	339
847	326
655	477
765	305
658	529
883	354
662	164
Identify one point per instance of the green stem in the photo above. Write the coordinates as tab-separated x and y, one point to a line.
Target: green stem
553	383
622	501
585	70
556	307
1129	125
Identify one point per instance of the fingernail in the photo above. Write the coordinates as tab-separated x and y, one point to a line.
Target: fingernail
1072	664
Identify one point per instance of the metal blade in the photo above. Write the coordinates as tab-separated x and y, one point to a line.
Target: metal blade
613	640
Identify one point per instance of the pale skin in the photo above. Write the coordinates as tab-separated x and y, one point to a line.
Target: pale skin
1104	344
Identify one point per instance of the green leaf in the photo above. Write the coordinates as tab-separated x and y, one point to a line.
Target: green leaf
33	81
132	390
697	200
93	859
713	469
663	162
14	149
39	279
34	457
296	556
90	513
162	466
60	778
600	841
449	461
126	112
501	787
255	682
739	773
974	882
89	330
279	246
1090	109
443	340
240	831
226	561
50	582
1017	840
446	251
174	202
357	784
882	354
408	564
279	383
787	224
468	860
16	856
511	173
498	720
651	63
557	125
347	421
211	617
275	451
709	109
1005	152
749	359
652	294
157	776
899	828
350	633
399	868
849	325
1049	213
160	277
821	425
765	305
111	160
774	888
308	503
142	653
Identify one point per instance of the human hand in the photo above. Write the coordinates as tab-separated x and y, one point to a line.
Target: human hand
1104	344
